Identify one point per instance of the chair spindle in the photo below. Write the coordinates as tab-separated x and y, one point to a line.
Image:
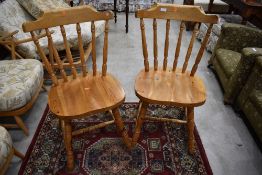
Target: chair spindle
81	49
44	58
155	45
201	51
104	67
55	54
166	44
93	30
51	52
182	27
190	47
68	52
145	53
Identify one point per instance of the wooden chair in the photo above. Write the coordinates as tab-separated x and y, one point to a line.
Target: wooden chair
80	95
171	85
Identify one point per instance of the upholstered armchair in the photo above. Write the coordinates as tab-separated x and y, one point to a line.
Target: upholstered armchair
234	57
250	98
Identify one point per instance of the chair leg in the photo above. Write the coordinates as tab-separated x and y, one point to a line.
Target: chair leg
121	128
68	145
190	128
139	122
18	154
21	124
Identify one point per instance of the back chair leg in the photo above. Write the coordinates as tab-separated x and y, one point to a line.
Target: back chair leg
139	122
68	145
21	124
18	154
121	128
190	128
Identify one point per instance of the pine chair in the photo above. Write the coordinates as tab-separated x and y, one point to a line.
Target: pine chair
171	85
79	95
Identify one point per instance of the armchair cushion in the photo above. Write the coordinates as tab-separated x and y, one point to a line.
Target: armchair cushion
256	99
37	7
19	81
228	60
5	146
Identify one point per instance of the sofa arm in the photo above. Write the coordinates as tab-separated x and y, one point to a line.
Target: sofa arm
236	37
243	70
254	83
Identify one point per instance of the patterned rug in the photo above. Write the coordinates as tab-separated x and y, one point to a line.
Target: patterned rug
162	148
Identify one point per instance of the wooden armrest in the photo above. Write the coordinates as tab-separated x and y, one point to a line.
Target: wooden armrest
31	39
9	35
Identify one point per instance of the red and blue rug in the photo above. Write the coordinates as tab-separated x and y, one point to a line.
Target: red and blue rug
162	147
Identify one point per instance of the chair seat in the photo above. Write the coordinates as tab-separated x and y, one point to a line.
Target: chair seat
19	81
6	146
228	60
170	88
87	95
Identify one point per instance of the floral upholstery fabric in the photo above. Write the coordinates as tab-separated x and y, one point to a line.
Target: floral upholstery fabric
71	35
218	6
19	81
232	73
228	60
12	17
37	7
6	146
216	30
250	98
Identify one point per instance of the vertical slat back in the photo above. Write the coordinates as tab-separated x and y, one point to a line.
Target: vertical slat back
93	30
166	44
145	53
182	27
51	53
190	47
201	51
104	66
168	12
68	52
81	49
55	54
44	58
155	45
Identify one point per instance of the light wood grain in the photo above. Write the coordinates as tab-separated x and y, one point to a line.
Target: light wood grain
179	39
77	96
85	95
155	45
171	86
144	45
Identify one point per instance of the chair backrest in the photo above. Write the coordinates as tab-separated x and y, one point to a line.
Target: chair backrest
61	17
183	13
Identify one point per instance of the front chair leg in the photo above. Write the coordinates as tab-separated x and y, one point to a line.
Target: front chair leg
121	128
139	122
68	145
190	128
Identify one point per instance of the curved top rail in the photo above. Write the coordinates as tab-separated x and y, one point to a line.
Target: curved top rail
177	12
66	16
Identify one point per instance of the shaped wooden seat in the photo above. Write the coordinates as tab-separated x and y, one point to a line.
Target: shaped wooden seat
93	94
79	94
170	88
171	85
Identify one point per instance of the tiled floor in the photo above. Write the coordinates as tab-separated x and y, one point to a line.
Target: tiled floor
229	146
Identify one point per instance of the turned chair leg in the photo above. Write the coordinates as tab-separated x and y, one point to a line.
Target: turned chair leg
21	124
68	145
121	128
190	128
139	122
18	154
